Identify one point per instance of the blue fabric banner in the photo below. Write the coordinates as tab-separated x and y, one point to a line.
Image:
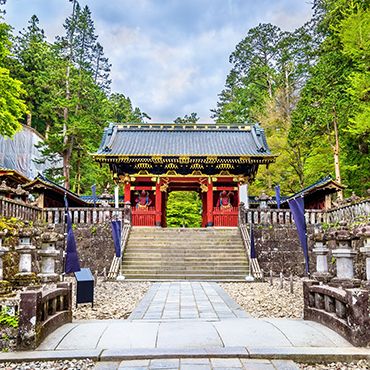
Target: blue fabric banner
277	193
72	263
297	208
93	192
251	236
116	233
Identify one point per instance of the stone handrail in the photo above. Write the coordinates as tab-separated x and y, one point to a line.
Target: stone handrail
254	265
86	215
41	312
20	210
117	261
342	310
282	216
351	212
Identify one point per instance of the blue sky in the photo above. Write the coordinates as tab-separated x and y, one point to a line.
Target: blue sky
169	56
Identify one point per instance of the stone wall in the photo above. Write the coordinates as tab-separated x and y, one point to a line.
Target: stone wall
278	249
94	246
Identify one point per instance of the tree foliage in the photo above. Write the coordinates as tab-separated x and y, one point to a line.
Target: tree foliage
12	106
184	209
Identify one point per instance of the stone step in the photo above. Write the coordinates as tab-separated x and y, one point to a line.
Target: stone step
185	271
188	276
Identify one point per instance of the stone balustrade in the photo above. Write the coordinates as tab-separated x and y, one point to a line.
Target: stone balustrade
41	312
345	311
19	209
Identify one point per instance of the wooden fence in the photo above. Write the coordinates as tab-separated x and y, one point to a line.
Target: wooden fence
144	217
228	217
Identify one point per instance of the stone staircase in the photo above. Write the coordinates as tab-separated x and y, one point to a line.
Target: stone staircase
198	254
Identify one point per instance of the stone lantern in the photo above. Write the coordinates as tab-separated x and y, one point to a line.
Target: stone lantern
105	198
344	255
25	276
263	198
49	254
20	194
321	251
5	190
364	232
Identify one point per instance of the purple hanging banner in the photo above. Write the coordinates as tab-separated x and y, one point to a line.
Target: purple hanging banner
297	208
116	234
72	263
277	193
251	236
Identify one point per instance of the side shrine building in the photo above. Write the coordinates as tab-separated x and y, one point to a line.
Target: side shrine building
151	160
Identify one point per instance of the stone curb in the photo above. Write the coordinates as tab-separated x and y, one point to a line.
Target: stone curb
301	354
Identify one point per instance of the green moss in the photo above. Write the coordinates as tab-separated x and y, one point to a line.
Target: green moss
6	319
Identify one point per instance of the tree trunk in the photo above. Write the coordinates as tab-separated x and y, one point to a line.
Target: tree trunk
336	155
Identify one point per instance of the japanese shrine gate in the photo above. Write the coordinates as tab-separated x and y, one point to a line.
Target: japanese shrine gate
160	158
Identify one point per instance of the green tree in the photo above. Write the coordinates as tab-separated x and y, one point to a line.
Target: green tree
184	209
12	106
192	118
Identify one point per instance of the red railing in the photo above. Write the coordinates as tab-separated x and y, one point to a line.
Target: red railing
143	217
225	217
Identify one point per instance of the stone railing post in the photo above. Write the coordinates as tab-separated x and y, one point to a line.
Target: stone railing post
358	315
29	319
49	254
344	255
365	234
127	213
3	251
242	213
321	252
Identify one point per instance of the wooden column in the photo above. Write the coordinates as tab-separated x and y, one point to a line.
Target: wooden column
127	192
210	203
158	204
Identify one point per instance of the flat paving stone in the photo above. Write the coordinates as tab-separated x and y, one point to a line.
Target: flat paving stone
187	334
198	364
186	300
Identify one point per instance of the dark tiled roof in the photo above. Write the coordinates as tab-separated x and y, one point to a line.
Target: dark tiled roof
322	183
53	185
165	139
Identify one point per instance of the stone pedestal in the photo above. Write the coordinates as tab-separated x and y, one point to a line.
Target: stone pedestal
25	276
321	253
49	254
344	256
345	273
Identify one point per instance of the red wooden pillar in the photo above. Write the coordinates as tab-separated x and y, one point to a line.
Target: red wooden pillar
158	204
127	192
210	203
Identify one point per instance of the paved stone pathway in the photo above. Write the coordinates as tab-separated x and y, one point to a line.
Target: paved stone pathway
186	300
199	364
180	323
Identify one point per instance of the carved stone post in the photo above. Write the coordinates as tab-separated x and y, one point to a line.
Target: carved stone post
49	254
127	214
365	234
344	255
321	252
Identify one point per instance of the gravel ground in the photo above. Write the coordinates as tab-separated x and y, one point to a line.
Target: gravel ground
263	300
50	365
112	300
360	365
